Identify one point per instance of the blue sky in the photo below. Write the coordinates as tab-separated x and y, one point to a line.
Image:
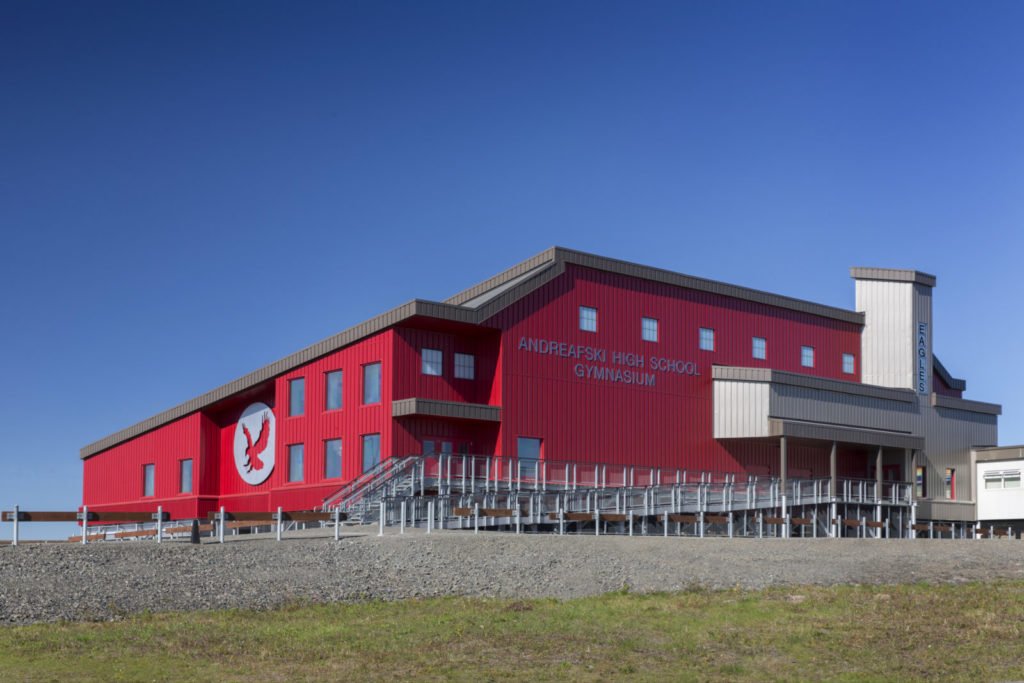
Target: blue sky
176	175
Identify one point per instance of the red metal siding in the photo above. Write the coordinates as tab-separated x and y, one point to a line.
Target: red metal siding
410	382
665	425
112	480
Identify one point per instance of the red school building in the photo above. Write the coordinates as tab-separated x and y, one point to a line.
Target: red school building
574	357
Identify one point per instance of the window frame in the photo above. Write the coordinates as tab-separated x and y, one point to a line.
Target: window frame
648	324
362	445
181	475
149	480
291	462
292	383
380	383
706	334
853	364
763	347
427	366
460	369
805	353
327	458
540	448
949	483
340	374
585	319
921	481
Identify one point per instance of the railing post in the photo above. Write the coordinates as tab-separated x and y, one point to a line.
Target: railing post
159	522
630	522
730	525
380	532
220	525
401	525
14	529
597	519
476	518
337	524
280	522
85	524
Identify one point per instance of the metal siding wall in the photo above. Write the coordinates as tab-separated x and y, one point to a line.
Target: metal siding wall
112	480
670	424
888	339
410	382
741	409
799	403
950	435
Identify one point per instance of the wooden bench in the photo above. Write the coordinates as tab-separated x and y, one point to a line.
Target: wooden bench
875	525
943	529
802	521
684	519
851	523
90	538
774	520
141	533
187	529
920	527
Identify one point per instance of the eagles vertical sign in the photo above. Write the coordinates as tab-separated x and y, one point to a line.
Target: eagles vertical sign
254	444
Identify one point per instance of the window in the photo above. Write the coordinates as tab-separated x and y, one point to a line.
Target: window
528	448
148	479
433	362
297	396
371	383
807	356
371	451
185	480
1002	479
949	483
465	366
707	339
759	348
649	329
848	363
334	384
332	458
296	454
428	447
920	482
588	319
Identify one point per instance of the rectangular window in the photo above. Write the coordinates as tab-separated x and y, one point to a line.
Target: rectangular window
848	363
649	329
528	448
296	455
334	384
465	366
588	319
759	348
185	480
707	339
949	483
807	356
428	447
297	396
332	458
371	383
148	479
920	482
1002	479
433	362
371	451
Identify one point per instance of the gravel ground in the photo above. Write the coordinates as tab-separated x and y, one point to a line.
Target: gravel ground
49	582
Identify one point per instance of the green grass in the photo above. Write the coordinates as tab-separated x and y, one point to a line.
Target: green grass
918	632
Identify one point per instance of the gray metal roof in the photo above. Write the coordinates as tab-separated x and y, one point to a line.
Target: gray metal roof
475	305
951	382
893	275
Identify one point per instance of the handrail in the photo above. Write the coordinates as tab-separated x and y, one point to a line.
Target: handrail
367	477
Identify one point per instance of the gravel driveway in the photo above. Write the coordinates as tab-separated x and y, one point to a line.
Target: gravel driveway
48	582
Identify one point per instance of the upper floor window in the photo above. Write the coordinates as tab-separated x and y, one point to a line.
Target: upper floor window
332	458
296	455
334	385
707	339
588	319
1002	479
371	383
649	329
297	396
185	478
807	356
920	482
759	348
433	362
148	479
949	483
848	363
528	448
465	366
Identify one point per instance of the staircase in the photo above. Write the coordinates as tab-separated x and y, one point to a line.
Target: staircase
393	477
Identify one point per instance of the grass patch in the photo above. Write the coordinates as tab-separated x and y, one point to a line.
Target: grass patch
965	632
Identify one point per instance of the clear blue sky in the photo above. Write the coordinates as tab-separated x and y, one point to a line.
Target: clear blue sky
174	175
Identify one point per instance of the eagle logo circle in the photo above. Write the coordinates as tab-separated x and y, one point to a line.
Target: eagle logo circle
254	444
